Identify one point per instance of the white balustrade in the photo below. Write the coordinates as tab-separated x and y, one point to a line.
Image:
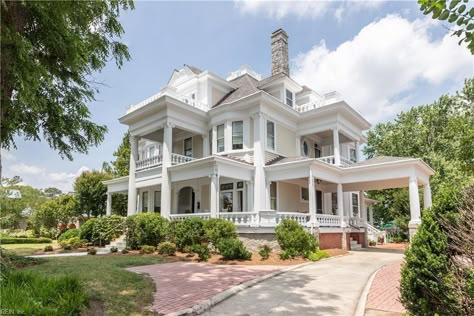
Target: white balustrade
171	93
177	217
326	99
179	159
346	162
331	160
301	218
149	162
327	220
241	218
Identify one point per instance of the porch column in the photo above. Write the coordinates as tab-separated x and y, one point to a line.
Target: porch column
362	208
427	196
371	214
165	177
335	138
415	218
259	161
108	210
249	196
214	195
267	194
205	146
132	189
312	198
340	204
357	151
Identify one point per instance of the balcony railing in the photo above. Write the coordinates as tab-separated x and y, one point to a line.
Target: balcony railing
327	220
301	218
332	160
328	98
179	159
149	162
178	217
241	218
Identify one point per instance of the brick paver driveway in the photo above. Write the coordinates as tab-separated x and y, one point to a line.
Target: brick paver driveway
180	285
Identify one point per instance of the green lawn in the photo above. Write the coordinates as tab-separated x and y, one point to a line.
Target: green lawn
27	249
110	286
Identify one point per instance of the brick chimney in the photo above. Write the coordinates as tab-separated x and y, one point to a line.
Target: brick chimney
280	53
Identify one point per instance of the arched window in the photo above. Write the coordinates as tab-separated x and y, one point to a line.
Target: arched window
305	149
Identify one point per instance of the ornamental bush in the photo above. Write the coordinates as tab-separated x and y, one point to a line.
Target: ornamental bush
264	252
166	248
101	231
10	240
146	249
188	232
292	236
232	249
201	250
146	229
72	243
318	255
86	230
69	234
217	229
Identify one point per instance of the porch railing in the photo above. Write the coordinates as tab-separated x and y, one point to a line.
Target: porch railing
326	99
177	217
241	218
327	220
301	218
149	162
332	160
177	159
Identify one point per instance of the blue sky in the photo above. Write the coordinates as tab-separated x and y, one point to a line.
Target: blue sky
384	57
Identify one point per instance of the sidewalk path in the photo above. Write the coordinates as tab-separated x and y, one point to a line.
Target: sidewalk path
328	287
384	293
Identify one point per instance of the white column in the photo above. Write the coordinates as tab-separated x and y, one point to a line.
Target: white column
132	189
214	140
205	145
357	150
415	215
250	196
340	204
259	162
214	195
371	214
312	197
362	208
335	138
427	196
108	210
267	194
166	183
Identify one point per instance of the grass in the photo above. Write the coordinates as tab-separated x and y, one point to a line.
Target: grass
110	287
27	249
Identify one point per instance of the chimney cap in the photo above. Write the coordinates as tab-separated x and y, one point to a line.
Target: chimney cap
280	30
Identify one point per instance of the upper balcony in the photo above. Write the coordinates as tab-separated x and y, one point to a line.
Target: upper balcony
157	160
328	98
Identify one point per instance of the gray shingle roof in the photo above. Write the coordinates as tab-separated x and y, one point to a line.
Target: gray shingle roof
378	160
196	70
287	159
246	85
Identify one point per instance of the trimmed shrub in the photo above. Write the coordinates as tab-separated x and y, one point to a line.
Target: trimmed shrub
188	232
32	293
292	236
265	252
48	232
113	249
100	231
233	248
167	248
372	243
48	248
287	254
202	251
146	249
125	251
72	243
146	229
86	230
10	240
92	252
318	255
69	234
217	229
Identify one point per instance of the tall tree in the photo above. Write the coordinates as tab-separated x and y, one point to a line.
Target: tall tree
121	165
91	193
50	50
441	134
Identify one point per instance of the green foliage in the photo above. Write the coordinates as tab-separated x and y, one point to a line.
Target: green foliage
455	12
69	234
265	252
188	232
120	166
100	231
232	249
12	240
292	236
125	251
72	243
91	193
52	192
48	248
318	255
287	254
217	229
92	251
146	229
87	229
426	285
49	51
9	260
166	248
119	204
146	249
113	249
55	211
201	250
48	233
32	293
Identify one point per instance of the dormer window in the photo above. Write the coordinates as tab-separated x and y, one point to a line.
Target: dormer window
289	98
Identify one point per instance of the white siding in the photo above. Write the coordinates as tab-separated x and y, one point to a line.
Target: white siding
197	146
289	198
251	133
205	197
286	141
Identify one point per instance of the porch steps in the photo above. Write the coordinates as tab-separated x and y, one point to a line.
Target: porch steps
120	243
355	245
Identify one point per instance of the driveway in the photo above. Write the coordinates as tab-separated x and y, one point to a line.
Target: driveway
329	287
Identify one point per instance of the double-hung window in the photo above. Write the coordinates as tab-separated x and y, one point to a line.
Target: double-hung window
237	135
273	195
145	201
289	98
220	138
188	147
270	135
355	205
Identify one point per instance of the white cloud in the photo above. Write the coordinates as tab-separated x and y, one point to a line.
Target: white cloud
378	69
39	177
309	9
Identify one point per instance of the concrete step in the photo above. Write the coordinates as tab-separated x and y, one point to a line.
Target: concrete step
356	247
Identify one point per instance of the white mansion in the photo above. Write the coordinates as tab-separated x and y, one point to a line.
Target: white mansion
255	151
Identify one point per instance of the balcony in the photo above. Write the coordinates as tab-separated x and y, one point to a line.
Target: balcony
332	161
157	161
328	98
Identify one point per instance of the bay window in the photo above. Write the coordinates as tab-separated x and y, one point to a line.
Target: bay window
237	135
270	135
220	138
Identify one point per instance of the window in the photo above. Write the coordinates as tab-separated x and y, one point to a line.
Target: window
305	149
273	196
238	135
226	201
151	151
319	202
220	138
210	142
157	202
352	155
355	204
188	147
270	135
317	151
304	194
289	98
145	201
334	203
232	197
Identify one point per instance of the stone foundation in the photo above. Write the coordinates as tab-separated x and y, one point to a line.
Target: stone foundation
253	242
